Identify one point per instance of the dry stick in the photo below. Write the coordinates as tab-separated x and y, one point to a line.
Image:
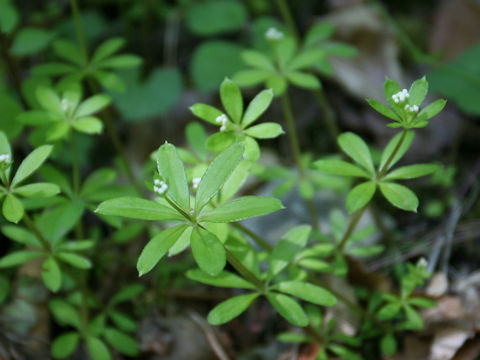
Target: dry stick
210	335
295	147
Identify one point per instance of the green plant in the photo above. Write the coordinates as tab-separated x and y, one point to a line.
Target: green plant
79	216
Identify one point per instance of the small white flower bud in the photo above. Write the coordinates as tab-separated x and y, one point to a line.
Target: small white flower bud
195	182
160	187
422	262
273	34
5	161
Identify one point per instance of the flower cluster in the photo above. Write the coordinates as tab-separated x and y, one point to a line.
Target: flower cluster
401	96
273	34
5	160
160	187
195	182
411	108
222	119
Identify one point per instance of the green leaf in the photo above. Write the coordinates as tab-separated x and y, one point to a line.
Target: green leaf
77	245
414	320
340	167
232	100
137	208
392	145
40	189
388	344
418	91
304	80
217	173
215	17
208	251
252	150
121	341
294	338
242	208
333	48
64	345
360	196
220	141
69	51
19	257
74	260
109	47
10	111
49	100
320	31
21	235
258	60
288	308
196	137
251	77
212	61
431	110
231	308
121	61
206	112
12	208
64	313
127	293
343	352
122	321
222	279
31	40
388	311
257	107
51	274
399	196
306	59
412	171
97	349
267	130
308	292
157	247
355	147
145	98
422	302
31	163
8	17
382	109
97	180
92	105
288	247
171	168
235	181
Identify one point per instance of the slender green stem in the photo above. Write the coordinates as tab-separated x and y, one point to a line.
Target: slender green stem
328	115
31	225
287	17
386	166
295	147
75	164
79	29
242	270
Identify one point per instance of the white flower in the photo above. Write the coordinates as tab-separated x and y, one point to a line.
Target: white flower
411	108
222	119
422	262
160	187
5	159
401	96
195	182
273	34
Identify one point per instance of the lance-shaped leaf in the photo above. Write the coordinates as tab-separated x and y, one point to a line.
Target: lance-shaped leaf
287	248
355	147
137	208
206	112
97	349
217	173
257	107
400	196
122	342
308	292
288	308
339	167
171	168
431	110
418	91
41	189
232	99
231	308
242	208
157	247
360	196
31	163
75	260
223	279
412	171
384	110
392	145
64	345
12	208
107	48
19	257
51	274
267	130
208	251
